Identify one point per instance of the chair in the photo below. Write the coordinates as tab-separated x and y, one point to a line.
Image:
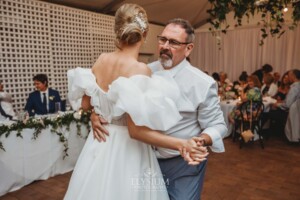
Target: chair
235	129
292	126
250	114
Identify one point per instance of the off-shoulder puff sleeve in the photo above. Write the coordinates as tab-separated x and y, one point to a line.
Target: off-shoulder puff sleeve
80	82
150	101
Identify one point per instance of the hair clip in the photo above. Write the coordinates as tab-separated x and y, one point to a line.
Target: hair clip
139	20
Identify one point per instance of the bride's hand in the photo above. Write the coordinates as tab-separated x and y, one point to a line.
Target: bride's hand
193	151
99	131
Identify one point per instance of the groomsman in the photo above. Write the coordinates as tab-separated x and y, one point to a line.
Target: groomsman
42	101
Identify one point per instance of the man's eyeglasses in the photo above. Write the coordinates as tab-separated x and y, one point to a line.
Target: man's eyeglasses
172	43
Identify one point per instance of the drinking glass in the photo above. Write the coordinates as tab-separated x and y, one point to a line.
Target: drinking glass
57	107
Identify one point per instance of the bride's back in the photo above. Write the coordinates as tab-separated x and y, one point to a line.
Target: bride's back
111	66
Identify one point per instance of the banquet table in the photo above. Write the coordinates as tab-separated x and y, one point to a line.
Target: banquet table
228	105
26	160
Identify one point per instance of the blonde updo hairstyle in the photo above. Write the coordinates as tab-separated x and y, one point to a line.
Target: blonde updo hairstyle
131	25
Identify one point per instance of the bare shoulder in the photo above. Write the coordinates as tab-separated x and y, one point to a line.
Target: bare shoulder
141	68
99	60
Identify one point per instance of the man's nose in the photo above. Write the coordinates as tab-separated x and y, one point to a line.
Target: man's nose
166	45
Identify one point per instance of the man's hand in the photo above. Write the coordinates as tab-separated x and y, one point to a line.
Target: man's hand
194	151
99	131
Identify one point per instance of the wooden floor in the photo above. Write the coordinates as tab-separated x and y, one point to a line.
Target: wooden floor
243	174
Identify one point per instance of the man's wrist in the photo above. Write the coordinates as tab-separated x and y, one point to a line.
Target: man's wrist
203	141
206	139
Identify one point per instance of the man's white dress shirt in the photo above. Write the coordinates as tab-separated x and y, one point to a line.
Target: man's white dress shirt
292	96
47	97
198	105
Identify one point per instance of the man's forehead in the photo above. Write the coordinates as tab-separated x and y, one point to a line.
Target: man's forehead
173	29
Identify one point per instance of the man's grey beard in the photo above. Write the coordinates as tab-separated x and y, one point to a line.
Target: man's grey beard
166	63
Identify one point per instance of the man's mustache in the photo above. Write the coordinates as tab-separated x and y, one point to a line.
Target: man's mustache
166	52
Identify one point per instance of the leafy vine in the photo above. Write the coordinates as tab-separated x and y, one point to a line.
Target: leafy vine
274	9
56	123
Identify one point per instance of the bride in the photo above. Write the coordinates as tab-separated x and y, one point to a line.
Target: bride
120	89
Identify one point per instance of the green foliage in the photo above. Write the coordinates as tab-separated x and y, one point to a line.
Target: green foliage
56	124
241	8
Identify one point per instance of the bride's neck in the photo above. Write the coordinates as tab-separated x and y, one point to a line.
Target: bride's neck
132	50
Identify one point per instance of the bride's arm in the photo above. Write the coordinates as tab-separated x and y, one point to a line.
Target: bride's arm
152	137
99	131
85	103
156	138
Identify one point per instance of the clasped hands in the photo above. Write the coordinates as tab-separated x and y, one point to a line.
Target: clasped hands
194	151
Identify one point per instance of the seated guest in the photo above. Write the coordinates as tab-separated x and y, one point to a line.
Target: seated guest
279	111
269	88
42	101
252	83
276	76
243	78
6	108
250	93
239	84
266	68
225	84
216	77
224	78
283	88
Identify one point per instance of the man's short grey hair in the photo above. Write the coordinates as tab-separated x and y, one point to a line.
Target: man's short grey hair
186	25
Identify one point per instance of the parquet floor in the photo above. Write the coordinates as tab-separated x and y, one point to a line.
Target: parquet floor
250	173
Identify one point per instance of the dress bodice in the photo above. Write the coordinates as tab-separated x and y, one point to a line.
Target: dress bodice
104	106
150	101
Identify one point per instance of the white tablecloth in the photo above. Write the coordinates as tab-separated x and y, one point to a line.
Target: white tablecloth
227	106
27	160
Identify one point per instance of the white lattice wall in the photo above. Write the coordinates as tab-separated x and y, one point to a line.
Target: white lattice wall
38	37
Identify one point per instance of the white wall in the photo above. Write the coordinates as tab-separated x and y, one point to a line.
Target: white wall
240	50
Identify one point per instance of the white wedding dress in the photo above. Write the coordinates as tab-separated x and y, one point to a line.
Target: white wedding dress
122	168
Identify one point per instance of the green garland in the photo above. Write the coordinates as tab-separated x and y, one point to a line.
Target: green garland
38	124
240	8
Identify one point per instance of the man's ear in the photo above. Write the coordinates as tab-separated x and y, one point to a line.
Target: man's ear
189	49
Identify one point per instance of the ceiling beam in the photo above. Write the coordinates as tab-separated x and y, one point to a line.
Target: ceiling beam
157	23
198	24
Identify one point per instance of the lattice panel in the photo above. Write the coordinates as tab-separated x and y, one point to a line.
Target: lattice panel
71	42
102	34
39	37
25	46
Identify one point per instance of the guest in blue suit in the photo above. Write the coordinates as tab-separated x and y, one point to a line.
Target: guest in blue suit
42	101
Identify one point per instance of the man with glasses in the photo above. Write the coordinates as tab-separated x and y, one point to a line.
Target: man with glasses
198	105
